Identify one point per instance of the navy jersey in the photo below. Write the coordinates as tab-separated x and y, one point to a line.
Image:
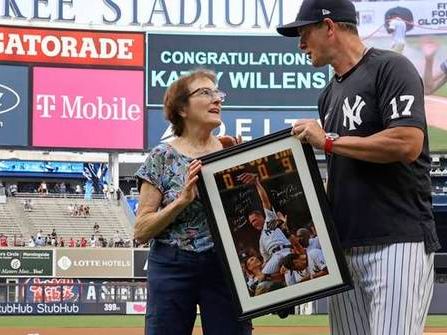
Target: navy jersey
378	203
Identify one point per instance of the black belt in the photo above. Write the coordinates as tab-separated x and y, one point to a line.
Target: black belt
280	247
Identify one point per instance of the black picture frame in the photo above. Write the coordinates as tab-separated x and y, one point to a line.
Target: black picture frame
265	278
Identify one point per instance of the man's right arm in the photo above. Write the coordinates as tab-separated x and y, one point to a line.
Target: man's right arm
401	104
253	179
263	195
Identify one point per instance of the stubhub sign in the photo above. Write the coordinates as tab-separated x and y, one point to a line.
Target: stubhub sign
98	109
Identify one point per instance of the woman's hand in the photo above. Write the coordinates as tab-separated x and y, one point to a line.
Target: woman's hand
228	141
189	192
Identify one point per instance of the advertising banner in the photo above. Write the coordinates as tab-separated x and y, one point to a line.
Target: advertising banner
36	290
61	308
256	72
13	105
26	263
74	296
248	124
103	308
230	15
140	263
112	291
136	307
58	308
422	17
98	263
71	47
428	55
40	167
85	108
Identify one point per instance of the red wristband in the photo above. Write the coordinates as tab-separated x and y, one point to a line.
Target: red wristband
328	145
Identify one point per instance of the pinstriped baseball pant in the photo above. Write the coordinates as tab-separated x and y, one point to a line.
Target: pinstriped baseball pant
393	287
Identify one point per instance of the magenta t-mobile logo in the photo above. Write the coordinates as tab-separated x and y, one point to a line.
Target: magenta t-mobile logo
46	104
118	109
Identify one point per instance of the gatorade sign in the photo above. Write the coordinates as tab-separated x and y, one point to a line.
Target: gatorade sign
71	47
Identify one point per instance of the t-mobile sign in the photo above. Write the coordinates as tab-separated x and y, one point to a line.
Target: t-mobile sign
84	108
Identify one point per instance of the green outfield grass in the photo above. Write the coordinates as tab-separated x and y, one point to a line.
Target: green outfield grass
438	139
442	91
130	321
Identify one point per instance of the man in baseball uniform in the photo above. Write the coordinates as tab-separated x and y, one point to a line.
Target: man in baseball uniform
305	239
375	137
273	244
301	267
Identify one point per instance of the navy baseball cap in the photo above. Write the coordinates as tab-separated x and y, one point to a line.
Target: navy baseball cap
314	11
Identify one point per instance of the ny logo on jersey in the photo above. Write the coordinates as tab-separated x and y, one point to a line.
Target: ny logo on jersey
353	113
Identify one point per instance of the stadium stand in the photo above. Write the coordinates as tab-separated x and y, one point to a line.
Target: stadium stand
8	223
51	212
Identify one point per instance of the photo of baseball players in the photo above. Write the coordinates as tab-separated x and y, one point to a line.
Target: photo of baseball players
271	224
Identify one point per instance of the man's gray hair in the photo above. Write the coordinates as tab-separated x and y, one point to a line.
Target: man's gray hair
350	27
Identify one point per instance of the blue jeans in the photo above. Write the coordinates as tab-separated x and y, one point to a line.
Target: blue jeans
180	280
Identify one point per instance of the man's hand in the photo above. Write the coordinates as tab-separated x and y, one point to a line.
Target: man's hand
309	131
273	224
282	218
282	223
429	49
248	178
305	278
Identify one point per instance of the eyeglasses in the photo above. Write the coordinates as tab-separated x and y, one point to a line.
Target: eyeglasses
209	93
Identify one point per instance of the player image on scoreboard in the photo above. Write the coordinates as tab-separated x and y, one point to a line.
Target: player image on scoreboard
270	222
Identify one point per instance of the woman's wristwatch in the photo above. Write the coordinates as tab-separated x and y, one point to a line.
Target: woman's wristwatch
329	143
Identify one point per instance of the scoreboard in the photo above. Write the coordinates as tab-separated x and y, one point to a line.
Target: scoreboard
266	167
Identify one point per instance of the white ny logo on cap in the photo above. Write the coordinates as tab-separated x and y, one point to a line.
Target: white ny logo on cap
326	12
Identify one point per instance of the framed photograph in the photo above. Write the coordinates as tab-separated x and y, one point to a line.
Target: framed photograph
271	224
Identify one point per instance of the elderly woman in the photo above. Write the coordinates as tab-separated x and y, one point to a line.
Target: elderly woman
183	269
